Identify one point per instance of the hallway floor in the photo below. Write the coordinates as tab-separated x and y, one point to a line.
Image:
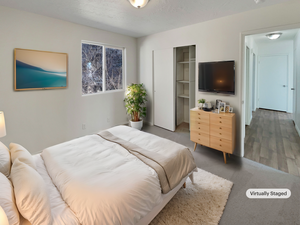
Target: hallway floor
271	139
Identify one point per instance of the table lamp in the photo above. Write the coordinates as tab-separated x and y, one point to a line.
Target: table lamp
2	125
3	217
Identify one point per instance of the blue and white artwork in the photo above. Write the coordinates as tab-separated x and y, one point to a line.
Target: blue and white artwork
40	70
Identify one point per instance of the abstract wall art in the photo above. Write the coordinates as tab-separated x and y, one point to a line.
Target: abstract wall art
39	70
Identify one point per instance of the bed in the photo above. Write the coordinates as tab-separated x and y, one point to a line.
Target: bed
105	178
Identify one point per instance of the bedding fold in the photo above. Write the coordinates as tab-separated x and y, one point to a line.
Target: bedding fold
166	168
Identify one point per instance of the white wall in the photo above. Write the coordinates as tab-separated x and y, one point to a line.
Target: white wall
219	39
297	83
38	119
279	47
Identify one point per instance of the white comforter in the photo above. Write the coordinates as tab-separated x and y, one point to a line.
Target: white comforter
101	182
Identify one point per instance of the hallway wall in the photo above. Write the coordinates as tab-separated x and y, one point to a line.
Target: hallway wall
297	83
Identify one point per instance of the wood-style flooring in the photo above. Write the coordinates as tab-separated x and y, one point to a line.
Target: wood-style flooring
271	139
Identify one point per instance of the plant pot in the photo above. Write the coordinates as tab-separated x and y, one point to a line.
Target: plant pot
137	125
200	105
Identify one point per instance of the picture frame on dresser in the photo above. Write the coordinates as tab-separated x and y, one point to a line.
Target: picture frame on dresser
227	108
221	107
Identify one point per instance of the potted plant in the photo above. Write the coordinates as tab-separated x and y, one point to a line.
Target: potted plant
135	103
201	102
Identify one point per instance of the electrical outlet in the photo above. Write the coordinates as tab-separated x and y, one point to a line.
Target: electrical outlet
83	126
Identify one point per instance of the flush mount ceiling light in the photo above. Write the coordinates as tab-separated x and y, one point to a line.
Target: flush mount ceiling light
274	36
139	3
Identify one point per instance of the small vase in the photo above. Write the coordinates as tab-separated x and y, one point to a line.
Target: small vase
200	105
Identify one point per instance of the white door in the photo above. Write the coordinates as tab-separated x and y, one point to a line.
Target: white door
164	89
273	82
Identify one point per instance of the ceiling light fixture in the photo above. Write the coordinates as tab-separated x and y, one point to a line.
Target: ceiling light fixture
273	36
139	3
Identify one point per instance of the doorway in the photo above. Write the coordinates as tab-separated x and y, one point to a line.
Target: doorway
271	137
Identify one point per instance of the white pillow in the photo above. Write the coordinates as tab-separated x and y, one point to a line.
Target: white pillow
31	194
19	152
7	200
5	162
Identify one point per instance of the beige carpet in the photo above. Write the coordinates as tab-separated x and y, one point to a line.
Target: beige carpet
200	203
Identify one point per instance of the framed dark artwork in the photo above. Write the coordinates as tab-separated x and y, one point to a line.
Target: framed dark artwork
34	70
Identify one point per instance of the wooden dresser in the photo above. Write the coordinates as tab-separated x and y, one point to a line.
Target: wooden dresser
214	130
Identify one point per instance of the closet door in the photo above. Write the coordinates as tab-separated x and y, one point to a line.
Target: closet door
164	88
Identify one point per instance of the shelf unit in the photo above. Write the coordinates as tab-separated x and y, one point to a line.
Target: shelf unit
185	82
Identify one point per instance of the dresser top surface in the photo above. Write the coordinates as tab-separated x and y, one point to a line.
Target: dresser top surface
196	109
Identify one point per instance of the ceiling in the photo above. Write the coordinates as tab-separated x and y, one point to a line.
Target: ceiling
286	35
120	17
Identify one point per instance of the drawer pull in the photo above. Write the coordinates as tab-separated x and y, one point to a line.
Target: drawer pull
198	123
199	128
199	134
220	145
220	117
220	121
199	114
220	128
220	133
199	139
220	139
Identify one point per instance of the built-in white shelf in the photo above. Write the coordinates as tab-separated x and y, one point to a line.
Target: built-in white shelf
191	61
183	96
183	81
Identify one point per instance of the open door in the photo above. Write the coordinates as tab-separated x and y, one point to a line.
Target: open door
164	88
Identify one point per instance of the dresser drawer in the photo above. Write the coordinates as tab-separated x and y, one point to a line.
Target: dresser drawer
199	126
200	138
219	119
221	131
221	144
199	116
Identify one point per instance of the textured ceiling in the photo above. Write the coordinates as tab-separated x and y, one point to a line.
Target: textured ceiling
120	17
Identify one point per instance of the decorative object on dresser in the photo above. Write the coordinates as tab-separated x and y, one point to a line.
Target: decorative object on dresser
221	107
217	103
135	102
227	108
201	102
231	110
39	70
213	130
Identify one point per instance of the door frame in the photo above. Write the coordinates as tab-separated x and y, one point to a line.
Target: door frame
287	76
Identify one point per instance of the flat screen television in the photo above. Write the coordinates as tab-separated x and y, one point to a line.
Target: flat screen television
218	77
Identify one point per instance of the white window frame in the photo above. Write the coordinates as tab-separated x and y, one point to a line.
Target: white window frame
124	68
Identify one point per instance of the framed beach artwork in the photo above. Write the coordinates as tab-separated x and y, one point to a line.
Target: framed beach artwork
36	70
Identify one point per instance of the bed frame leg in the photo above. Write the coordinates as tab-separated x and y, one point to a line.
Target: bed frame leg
184	185
192	177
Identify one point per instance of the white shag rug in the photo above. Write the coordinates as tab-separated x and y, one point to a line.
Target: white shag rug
200	203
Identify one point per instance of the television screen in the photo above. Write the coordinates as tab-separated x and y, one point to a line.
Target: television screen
217	77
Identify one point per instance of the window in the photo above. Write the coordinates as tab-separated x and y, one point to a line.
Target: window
102	68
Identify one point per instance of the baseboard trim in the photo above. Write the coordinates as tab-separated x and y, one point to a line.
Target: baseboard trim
297	129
